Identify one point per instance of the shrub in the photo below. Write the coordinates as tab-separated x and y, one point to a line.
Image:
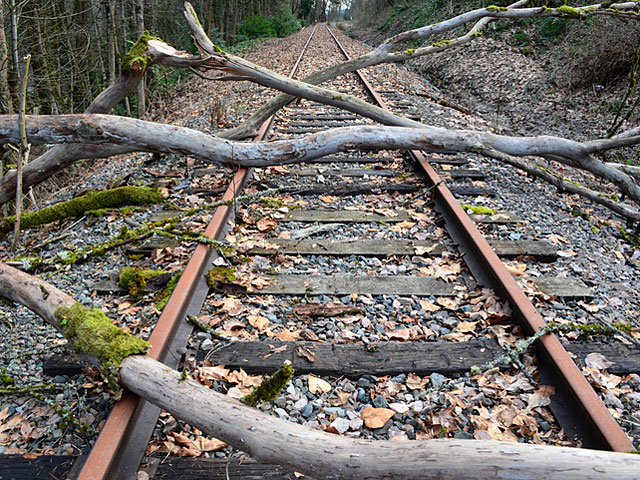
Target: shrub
285	23
256	27
599	51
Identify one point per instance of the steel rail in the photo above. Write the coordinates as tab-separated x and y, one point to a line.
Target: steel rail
120	447
604	431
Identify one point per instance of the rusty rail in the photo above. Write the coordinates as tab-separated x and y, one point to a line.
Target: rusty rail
120	447
604	431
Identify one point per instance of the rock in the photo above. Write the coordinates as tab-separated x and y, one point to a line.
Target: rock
400	408
380	402
341	425
206	345
307	410
437	380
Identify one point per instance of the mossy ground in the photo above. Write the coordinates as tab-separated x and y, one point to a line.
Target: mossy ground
135	279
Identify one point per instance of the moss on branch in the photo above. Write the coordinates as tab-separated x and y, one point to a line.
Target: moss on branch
134	280
92	201
269	387
135	59
92	332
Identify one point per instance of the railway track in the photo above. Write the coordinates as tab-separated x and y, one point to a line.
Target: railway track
365	272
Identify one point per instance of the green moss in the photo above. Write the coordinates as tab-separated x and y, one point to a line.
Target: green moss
570	11
441	43
410	51
270	202
495	8
5	378
163	297
478	210
337	96
476	34
587	330
29	389
92	201
135	279
269	387
220	274
135	59
92	332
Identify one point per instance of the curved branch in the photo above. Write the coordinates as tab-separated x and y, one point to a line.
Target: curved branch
150	136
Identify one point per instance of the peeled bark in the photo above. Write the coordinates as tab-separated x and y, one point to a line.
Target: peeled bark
320	454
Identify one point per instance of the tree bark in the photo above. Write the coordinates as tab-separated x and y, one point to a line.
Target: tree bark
321	454
6	105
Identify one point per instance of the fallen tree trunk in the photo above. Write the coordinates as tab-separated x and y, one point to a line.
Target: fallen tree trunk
320	454
151	136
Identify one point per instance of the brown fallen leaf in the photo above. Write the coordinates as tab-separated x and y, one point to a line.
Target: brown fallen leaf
266	224
318	385
376	417
516	270
414	382
287	336
598	361
306	353
466	327
258	322
428	306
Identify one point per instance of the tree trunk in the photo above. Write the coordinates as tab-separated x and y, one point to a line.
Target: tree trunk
139	8
6	105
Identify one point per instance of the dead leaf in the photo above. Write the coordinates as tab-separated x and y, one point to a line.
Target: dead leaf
318	385
287	336
266	224
402	334
466	327
541	397
424	250
516	270
306	353
566	253
414	382
258	322
376	417
446	302
598	361
428	306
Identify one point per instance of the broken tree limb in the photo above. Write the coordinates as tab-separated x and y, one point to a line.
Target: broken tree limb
149	136
150	51
391	51
321	454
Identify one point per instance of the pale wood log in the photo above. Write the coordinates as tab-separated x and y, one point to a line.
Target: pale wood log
150	136
319	454
324	455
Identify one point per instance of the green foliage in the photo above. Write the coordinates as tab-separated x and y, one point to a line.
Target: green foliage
256	27
285	23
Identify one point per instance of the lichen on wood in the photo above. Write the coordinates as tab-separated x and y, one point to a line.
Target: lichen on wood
91	201
92	332
270	387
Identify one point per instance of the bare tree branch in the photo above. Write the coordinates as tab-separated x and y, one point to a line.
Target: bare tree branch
149	136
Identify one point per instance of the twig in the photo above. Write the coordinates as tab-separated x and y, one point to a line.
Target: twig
24	151
193	320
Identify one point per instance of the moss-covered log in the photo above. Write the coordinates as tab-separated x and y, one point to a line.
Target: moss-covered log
317	454
135	279
76	207
88	330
